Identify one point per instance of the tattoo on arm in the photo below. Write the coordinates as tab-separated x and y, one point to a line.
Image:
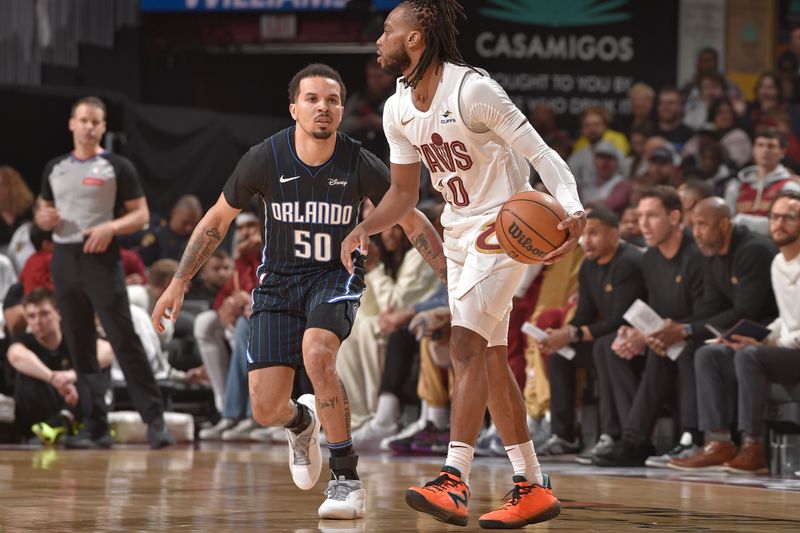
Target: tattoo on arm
200	247
429	246
330	402
346	401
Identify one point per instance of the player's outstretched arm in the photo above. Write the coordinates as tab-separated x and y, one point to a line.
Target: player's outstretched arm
427	241
398	201
204	240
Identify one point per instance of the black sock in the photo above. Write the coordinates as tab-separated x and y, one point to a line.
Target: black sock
301	420
343	460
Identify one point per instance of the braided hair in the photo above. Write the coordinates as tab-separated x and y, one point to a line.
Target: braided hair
437	20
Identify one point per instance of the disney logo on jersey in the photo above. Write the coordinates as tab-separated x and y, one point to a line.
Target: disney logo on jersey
445	156
447	118
333	182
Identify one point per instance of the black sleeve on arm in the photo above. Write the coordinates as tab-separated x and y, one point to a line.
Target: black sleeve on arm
628	286
47	189
586	311
249	177
373	176
128	185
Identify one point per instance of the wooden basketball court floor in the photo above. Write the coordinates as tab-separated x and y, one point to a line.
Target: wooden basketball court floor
248	488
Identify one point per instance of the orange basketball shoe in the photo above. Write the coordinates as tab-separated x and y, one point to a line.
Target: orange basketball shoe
529	504
445	498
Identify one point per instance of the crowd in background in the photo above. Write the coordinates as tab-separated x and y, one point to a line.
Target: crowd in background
691	210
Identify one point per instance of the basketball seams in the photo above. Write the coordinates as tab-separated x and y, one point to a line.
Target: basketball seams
522	221
526	226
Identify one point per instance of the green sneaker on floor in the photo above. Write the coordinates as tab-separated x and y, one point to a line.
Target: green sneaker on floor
49	435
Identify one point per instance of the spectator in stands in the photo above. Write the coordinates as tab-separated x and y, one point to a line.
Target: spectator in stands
711	87
663	167
36	272
635	163
769	98
742	263
610	280
364	110
669	123
722	126
691	192
212	277
642	99
792	55
595	127
779	119
169	240
629	229
709	163
133	267
673	273
13	311
708	64
608	186
45	389
16	200
750	194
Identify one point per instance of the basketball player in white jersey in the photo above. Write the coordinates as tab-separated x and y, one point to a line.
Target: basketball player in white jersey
468	133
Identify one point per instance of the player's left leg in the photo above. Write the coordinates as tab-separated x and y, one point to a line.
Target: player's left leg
327	326
532	500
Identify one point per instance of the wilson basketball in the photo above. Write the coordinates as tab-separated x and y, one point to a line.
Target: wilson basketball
527	226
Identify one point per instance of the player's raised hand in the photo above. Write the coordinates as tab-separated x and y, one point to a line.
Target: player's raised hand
168	307
358	238
574	226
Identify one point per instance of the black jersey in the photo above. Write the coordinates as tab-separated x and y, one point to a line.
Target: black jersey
307	211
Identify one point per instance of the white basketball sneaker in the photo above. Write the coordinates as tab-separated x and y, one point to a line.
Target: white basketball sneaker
346	500
305	457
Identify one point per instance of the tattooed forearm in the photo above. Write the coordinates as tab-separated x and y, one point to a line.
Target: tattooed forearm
426	240
429	246
201	245
346	402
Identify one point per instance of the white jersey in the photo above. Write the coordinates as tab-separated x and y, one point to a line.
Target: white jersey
472	140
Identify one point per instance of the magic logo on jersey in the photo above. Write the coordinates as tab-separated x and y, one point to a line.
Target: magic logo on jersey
445	156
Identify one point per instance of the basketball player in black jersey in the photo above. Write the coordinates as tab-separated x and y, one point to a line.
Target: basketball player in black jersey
311	181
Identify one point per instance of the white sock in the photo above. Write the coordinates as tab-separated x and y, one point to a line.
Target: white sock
388	410
440	416
459	455
525	463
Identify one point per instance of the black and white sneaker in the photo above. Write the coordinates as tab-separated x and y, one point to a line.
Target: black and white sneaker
555	445
683	450
603	445
305	456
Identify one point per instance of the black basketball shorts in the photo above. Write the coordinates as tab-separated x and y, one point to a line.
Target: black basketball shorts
284	306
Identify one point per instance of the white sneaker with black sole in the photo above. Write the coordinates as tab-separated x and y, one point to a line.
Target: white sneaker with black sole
683	450
603	444
305	456
346	500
